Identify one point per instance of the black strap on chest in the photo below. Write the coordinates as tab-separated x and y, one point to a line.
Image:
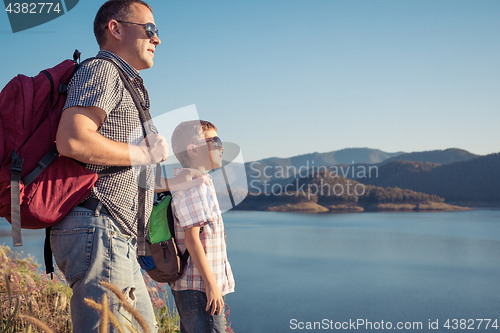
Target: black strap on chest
148	126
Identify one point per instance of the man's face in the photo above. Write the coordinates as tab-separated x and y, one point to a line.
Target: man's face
137	47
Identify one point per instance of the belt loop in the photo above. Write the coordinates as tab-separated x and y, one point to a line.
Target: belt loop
97	211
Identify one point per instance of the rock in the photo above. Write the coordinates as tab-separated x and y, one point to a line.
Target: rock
303	207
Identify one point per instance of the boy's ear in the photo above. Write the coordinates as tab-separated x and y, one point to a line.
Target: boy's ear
191	150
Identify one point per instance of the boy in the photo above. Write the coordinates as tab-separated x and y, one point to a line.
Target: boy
199	293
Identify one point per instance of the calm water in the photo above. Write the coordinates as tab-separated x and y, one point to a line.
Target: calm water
336	268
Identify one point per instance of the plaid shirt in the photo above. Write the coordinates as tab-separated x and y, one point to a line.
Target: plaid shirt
198	206
98	83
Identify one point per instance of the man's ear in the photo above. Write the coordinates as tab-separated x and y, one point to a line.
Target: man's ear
115	30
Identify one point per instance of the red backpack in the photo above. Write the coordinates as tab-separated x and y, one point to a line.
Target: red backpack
37	186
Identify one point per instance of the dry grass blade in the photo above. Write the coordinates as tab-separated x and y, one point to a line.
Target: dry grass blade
37	323
104	315
93	304
114	321
130	328
12	314
115	290
112	318
126	305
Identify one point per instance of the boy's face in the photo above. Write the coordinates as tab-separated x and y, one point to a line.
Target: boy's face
216	154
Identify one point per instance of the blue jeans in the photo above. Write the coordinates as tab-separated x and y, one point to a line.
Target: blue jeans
90	247
191	305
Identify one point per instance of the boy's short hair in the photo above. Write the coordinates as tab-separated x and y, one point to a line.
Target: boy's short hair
112	10
186	133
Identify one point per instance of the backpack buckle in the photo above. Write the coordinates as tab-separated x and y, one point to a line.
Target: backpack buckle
17	163
63	88
164	246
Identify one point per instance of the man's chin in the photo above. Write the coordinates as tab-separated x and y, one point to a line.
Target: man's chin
147	64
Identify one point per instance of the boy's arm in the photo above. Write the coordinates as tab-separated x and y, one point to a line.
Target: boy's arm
183	181
214	294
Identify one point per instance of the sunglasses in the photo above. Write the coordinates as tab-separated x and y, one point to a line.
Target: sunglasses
151	30
216	141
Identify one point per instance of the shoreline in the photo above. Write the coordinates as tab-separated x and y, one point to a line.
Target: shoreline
315	208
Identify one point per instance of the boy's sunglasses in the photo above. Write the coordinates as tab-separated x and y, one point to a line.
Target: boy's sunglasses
151	30
216	141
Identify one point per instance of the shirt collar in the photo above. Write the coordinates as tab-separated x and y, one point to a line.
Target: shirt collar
131	71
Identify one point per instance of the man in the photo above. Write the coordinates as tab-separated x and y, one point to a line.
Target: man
98	239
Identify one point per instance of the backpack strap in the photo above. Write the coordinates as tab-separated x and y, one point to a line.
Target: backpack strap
145	116
47	253
15	198
170	220
148	128
42	165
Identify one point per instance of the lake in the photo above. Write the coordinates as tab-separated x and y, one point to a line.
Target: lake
370	271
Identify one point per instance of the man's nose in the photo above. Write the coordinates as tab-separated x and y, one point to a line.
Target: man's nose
156	40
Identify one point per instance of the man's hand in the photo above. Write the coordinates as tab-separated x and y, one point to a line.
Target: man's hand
157	147
78	138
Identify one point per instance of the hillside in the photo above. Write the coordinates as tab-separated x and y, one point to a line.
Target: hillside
272	168
447	156
279	169
323	192
476	180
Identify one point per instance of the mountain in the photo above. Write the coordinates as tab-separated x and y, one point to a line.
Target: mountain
353	163
447	156
272	168
343	156
475	180
324	191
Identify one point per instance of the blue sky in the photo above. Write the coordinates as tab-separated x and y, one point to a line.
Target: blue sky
283	78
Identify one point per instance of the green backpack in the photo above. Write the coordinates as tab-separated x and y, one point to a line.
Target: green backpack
164	263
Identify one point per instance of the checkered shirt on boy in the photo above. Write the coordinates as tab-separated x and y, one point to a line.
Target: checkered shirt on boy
198	206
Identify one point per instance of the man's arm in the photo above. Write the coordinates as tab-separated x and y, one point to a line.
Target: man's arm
77	137
196	251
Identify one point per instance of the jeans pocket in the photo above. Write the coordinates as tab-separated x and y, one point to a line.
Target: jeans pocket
72	250
186	302
123	255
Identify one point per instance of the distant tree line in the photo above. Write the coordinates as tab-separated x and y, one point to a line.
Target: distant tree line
319	187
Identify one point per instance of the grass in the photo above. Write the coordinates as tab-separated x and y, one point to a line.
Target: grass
35	295
30	301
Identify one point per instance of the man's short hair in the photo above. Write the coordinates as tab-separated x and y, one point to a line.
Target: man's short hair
186	133
113	10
